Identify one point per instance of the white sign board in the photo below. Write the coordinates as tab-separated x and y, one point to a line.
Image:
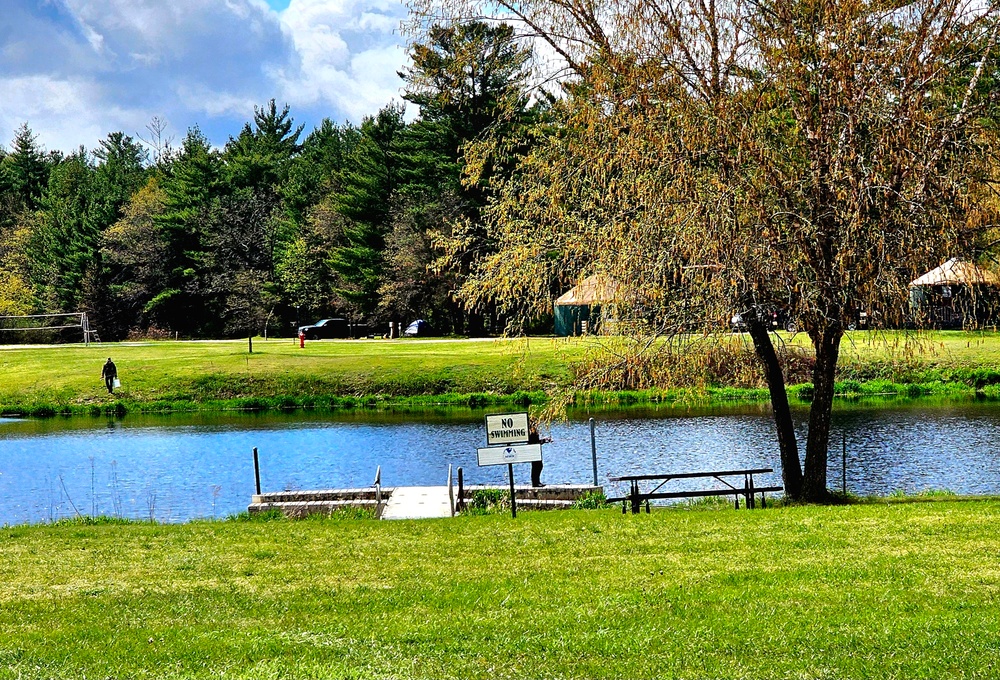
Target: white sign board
502	455
506	428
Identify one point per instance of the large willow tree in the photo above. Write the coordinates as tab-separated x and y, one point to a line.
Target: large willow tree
715	156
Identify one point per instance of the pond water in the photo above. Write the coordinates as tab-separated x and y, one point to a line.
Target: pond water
180	467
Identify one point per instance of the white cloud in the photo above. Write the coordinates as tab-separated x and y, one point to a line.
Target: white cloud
350	51
48	104
76	70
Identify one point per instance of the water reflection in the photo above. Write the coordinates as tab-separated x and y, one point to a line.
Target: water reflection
179	467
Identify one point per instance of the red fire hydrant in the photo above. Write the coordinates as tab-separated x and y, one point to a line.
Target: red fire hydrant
302	339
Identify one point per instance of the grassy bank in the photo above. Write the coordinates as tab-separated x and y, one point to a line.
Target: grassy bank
166	376
327	374
865	591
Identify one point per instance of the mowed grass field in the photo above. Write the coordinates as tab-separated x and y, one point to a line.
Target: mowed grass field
219	370
903	590
191	373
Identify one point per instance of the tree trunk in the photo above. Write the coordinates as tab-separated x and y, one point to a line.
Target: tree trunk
827	344
791	470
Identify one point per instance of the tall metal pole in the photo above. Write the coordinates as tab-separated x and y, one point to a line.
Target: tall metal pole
256	469
513	503
593	449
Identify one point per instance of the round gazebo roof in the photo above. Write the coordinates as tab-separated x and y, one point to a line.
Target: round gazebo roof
592	290
955	272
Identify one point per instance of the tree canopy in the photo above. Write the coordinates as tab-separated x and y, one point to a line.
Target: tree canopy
721	157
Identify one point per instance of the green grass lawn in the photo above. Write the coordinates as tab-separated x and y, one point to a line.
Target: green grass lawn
906	590
224	370
278	374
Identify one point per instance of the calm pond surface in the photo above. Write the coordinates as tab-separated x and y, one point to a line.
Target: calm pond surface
179	467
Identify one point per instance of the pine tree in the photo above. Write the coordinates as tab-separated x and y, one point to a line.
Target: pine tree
191	189
65	237
24	172
364	200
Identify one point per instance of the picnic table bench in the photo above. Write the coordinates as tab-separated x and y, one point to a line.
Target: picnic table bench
636	496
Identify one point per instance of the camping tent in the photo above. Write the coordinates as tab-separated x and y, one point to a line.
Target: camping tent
578	311
956	294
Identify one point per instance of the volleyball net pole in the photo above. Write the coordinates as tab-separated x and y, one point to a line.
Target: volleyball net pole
82	322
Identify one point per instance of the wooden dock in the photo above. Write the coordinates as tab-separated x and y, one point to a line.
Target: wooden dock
413	502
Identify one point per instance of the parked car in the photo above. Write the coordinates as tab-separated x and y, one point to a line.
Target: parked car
327	328
774	320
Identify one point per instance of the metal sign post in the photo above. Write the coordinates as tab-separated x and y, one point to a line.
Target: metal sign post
513	503
506	444
256	470
498	455
593	449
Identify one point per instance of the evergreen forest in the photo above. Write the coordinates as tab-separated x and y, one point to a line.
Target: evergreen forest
377	222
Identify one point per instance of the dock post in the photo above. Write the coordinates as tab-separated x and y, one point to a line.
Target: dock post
461	490
451	493
256	470
513	503
593	449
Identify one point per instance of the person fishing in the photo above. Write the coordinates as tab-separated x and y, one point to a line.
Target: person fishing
536	465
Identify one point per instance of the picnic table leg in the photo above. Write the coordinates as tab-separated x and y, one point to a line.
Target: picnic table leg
636	501
750	499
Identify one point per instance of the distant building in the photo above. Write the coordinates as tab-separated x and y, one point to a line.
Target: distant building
581	309
957	294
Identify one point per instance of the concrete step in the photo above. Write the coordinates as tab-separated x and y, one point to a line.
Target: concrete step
299	509
543	504
418	502
367	493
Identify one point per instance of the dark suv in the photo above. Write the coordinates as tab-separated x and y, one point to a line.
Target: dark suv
327	328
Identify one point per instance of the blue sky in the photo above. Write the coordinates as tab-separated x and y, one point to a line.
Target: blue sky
75	70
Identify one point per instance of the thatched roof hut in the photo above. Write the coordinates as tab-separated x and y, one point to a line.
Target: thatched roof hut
957	272
578	310
957	294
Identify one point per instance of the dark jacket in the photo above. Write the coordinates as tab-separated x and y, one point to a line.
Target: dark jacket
109	370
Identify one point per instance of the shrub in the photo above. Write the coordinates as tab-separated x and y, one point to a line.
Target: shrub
151	333
521	398
477	400
592	500
267	516
981	377
489	501
848	387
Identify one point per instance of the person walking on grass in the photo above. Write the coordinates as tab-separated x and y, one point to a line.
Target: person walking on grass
109	373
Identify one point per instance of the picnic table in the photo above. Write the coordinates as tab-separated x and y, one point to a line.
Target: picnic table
655	482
